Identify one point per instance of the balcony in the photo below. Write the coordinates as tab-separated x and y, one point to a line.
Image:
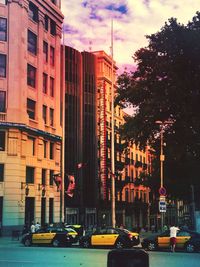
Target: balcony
2	116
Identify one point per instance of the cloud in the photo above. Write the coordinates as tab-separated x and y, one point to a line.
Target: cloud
88	23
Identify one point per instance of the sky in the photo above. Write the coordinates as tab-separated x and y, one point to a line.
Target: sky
87	24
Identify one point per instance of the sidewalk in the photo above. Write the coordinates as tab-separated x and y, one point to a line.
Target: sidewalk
7	241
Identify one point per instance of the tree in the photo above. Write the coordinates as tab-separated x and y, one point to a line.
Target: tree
166	86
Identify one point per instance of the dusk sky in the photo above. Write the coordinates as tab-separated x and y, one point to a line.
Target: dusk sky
88	22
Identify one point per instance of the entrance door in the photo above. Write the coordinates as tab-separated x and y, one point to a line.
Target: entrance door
29	210
43	211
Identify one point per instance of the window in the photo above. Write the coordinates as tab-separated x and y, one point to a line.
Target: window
32	42
45	148
46	22
2	101
31	75
51	87
30	175
3	29
51	116
45	78
44	113
51	177
43	177
45	51
31	108
52	52
2	140
4	2
51	150
31	145
1	172
2	65
126	194
52	27
33	12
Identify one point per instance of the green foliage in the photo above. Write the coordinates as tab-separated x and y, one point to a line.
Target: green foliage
166	86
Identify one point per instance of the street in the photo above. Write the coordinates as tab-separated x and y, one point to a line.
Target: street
74	257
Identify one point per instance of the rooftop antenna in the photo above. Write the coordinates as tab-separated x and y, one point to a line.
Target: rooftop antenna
90	46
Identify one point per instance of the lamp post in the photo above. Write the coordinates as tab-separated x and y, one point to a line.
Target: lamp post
162	158
113	137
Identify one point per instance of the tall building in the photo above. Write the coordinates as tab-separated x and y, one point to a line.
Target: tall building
131	164
30	124
80	137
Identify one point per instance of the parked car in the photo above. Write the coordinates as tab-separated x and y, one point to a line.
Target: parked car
186	240
73	234
76	227
54	236
109	236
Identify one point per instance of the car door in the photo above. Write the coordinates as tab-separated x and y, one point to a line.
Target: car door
42	237
182	238
164	240
99	238
111	236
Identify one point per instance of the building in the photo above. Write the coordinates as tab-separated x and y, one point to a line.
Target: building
131	164
30	107
88	148
80	137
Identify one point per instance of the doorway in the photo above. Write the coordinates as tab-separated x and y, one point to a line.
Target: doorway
29	210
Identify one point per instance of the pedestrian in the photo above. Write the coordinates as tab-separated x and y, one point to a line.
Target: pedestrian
25	229
173	234
32	227
37	226
153	228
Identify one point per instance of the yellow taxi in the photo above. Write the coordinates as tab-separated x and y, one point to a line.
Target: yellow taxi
115	237
187	240
54	236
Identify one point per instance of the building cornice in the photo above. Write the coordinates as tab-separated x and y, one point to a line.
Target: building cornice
26	128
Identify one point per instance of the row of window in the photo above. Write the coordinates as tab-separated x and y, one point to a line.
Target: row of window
49	24
31	146
31	80
31	110
30	175
32	48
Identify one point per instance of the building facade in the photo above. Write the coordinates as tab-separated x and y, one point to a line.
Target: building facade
131	164
80	137
30	125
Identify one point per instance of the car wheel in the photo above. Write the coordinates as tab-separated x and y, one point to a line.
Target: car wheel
27	242
151	246
119	244
85	244
190	248
55	243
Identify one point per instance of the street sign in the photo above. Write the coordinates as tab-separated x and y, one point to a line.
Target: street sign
162	191
162	206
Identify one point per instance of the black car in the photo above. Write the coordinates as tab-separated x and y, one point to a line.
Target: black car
54	236
114	237
186	240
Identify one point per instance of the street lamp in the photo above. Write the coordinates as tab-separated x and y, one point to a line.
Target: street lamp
162	190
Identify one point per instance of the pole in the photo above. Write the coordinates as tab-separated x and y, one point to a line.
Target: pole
161	169
113	137
62	191
193	207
